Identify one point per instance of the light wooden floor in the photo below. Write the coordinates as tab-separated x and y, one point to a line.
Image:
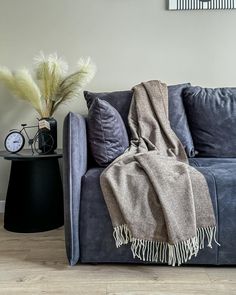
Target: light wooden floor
36	264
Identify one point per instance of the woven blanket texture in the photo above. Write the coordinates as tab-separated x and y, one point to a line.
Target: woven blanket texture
157	202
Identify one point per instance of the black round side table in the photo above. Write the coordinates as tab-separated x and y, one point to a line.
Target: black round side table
34	201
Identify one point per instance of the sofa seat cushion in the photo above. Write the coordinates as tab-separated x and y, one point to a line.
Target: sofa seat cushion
211	116
223	173
212	162
96	240
96	231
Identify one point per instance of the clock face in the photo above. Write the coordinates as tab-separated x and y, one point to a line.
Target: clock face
14	142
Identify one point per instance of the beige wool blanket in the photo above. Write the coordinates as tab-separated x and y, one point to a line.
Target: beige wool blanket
157	202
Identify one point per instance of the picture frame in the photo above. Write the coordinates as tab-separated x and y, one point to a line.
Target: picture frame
201	4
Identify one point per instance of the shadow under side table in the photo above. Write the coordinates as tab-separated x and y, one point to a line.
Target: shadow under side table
34	201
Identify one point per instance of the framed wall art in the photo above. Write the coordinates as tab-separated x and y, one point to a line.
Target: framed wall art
201	4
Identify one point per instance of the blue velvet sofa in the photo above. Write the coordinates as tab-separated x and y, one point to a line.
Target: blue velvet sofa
88	229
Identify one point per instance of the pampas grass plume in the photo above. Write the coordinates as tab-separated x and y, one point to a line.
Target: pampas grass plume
50	70
53	87
8	80
22	85
74	83
28	89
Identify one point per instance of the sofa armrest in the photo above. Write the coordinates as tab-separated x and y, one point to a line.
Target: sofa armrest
74	167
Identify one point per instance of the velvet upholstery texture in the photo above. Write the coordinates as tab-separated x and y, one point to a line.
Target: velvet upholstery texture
223	171
88	229
74	167
107	135
211	115
103	249
96	225
121	100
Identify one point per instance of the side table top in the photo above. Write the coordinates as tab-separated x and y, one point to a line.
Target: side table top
27	154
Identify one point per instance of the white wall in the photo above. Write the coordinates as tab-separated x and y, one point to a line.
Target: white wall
130	40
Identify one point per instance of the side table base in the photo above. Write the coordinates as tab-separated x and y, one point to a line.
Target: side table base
34	201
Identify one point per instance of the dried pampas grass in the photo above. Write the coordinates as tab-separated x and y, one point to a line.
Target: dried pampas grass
23	86
8	79
72	85
50	71
53	86
28	89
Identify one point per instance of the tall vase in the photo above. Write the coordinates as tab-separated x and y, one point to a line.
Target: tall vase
48	135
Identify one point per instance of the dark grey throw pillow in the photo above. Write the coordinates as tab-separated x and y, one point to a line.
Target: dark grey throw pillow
211	115
121	100
107	134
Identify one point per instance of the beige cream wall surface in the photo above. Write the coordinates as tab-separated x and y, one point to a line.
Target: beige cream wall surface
130	41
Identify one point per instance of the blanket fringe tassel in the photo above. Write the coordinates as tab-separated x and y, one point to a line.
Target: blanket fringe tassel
155	251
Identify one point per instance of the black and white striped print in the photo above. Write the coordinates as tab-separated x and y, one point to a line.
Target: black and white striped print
197	4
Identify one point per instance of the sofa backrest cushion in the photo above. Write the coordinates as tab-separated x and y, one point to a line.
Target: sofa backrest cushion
178	119
211	115
107	135
121	100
